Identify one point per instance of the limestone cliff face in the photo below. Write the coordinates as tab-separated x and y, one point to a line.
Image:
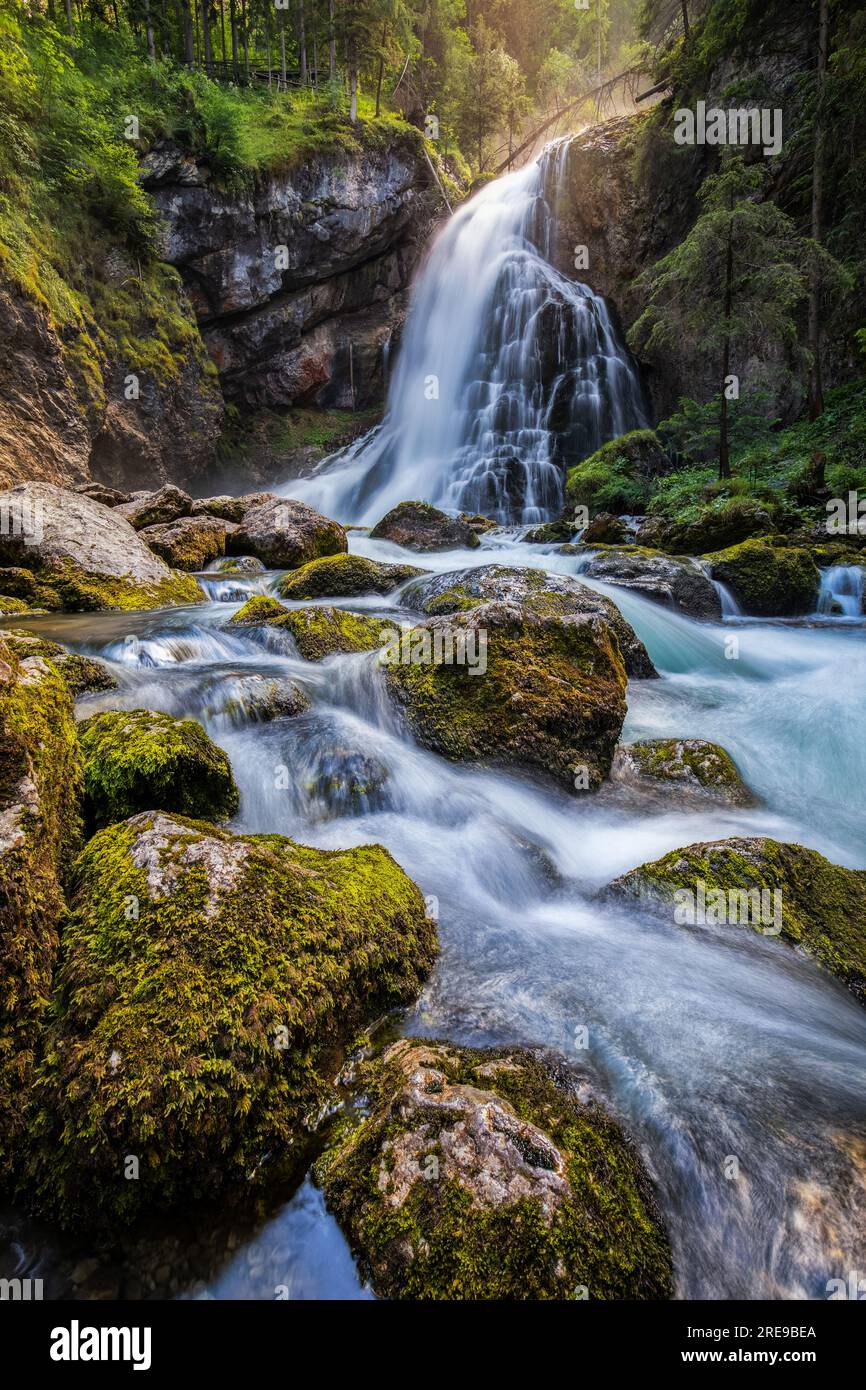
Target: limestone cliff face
290	293
300	285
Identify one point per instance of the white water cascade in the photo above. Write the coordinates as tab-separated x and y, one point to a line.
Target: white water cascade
507	373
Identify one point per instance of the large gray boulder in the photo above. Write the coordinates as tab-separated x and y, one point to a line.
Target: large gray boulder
677	584
559	595
285	534
418	526
155	508
84	554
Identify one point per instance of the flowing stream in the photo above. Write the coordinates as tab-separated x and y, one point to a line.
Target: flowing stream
738	1066
710	1044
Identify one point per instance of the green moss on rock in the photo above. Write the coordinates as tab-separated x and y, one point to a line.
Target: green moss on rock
551	696
81	673
256	611
321	632
40	831
823	906
690	765
768	581
478	1175
618	477
207	986
138	760
343	576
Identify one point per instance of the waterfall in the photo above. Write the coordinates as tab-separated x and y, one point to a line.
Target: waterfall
508	372
843	591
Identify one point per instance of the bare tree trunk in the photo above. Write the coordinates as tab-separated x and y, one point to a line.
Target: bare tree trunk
205	35
268	45
332	41
381	73
283	74
246	29
816	383
233	25
302	41
148	28
223	34
69	16
687	29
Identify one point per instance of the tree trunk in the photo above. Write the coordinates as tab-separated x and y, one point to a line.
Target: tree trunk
724	455
69	16
816	384
148	27
205	36
686	25
186	30
302	42
284	79
268	45
223	37
332	42
381	73
233	25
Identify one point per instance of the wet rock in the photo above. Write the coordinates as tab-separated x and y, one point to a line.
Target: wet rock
155	508
674	583
464	589
811	904
344	576
136	760
237	564
84	556
320	632
479	1175
516	669
261	699
418	526
768	580
201	1033
605	529
190	543
690	767
40	832
285	534
231	508
82	674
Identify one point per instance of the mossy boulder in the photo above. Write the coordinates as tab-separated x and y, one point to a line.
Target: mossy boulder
419	526
619	476
40	832
237	564
82	674
690	767
137	760
823	906
478	1175
720	524
675	583
344	576
260	609
190	543
10	606
83	556
231	508
259	700
768	581
321	632
539	593
207	987
605	529
541	688
284	534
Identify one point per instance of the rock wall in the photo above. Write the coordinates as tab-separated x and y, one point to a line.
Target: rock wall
298	289
300	285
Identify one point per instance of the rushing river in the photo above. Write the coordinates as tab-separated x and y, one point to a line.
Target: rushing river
711	1044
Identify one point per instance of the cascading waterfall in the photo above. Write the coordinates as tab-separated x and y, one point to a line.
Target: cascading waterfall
508	372
843	590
